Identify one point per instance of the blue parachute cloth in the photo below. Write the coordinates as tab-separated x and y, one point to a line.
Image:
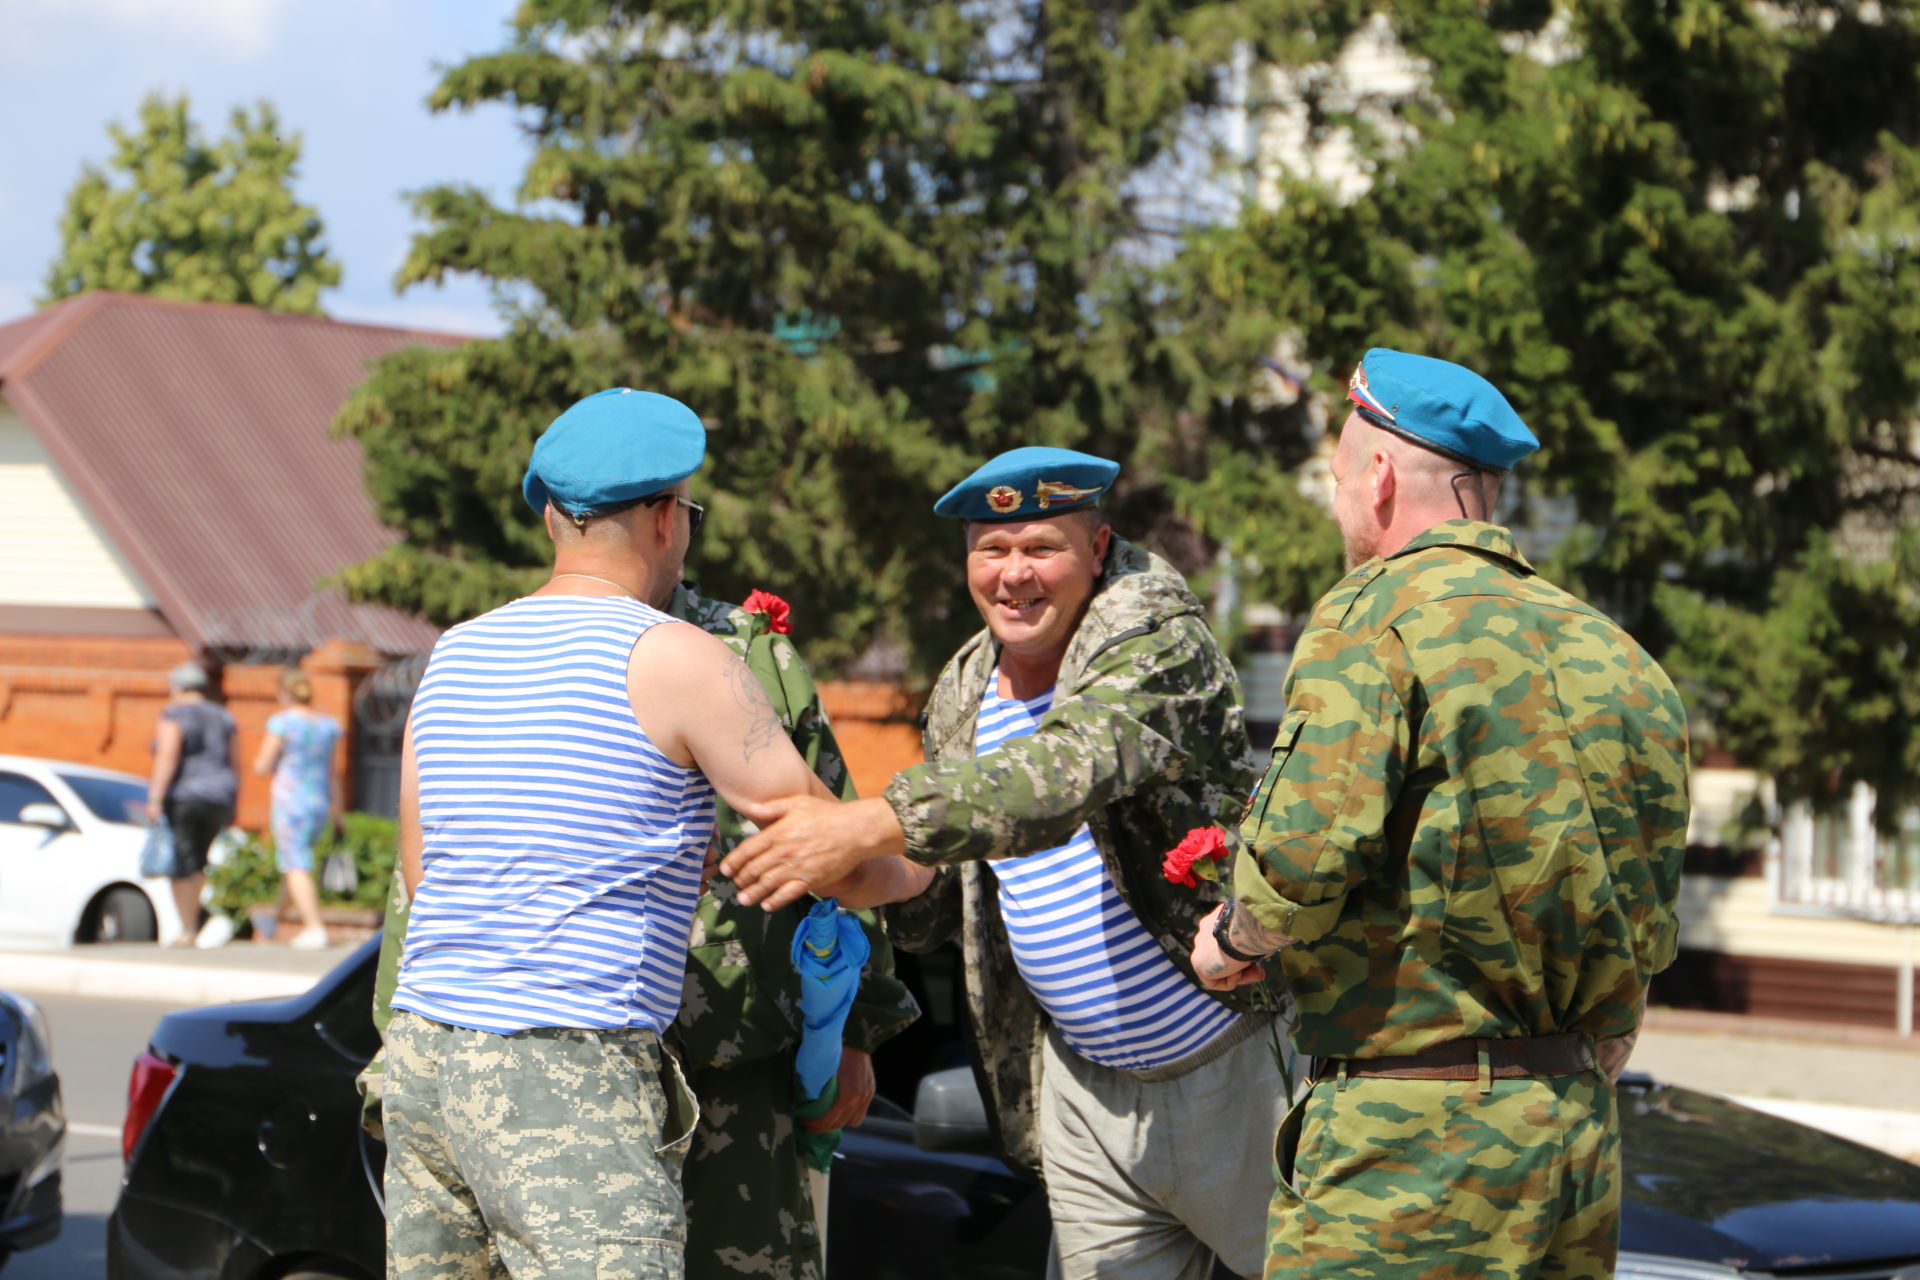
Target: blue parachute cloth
829	949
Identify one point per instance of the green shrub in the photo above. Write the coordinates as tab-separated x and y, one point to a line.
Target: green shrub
248	875
245	876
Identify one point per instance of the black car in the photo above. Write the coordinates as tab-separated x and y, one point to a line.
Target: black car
247	1161
33	1128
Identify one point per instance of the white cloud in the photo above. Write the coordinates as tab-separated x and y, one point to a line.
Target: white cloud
239	28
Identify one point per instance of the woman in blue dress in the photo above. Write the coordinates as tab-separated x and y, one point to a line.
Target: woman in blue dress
298	752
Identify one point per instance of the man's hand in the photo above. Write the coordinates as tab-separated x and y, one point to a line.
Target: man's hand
856	1093
808	845
1218	972
709	863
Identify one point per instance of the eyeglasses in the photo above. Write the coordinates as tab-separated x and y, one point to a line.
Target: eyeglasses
695	512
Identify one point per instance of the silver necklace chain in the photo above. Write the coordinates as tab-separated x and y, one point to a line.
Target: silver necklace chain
603	581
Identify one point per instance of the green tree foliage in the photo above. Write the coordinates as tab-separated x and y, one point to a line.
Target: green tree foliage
176	217
870	244
1685	240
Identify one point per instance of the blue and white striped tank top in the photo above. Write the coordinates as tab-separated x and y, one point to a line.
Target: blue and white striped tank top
1113	993
562	849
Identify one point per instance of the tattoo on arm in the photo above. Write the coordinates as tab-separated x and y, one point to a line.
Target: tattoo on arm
1250	937
752	698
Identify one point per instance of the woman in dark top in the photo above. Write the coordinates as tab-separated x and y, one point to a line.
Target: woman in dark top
194	784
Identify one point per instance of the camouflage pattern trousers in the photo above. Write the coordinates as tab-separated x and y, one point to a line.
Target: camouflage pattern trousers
550	1154
750	1210
1486	1179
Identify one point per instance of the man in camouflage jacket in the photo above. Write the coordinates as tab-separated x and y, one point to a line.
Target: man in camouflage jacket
1468	841
1143	742
750	1205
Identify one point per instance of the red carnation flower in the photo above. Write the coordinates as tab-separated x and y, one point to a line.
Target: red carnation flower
1194	856
774	607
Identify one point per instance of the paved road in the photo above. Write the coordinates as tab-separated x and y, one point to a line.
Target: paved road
94	1043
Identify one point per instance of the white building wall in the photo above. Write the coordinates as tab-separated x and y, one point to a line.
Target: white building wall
52	552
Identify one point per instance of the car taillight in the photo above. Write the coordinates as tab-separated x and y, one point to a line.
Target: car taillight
152	1077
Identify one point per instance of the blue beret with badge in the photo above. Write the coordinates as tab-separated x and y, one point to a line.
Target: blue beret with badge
1029	484
1441	406
611	448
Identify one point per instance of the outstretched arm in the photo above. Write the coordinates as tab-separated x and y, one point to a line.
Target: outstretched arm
805	845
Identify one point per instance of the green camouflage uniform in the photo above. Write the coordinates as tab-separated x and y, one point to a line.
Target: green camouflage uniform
1144	742
1472	826
750	1209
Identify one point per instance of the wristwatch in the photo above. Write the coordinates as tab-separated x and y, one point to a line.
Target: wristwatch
1222	927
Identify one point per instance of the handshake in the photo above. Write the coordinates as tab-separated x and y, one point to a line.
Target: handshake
850	850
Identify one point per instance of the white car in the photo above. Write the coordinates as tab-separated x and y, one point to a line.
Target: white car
70	840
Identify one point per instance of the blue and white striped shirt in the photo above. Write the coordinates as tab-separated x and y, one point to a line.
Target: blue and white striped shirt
562	849
1113	993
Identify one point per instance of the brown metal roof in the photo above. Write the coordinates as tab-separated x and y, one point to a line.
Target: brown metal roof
197	435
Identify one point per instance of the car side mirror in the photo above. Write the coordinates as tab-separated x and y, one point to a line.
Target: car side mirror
45	814
949	1113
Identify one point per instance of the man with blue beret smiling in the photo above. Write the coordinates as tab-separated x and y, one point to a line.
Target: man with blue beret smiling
1070	745
561	764
1465	855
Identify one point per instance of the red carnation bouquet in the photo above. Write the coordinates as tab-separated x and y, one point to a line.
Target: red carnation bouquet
775	610
1196	858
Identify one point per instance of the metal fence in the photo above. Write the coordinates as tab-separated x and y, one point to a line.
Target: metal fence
380	709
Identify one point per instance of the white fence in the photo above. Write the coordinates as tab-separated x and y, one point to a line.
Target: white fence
1841	864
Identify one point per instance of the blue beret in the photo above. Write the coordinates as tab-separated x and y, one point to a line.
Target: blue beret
612	447
1440	406
1029	484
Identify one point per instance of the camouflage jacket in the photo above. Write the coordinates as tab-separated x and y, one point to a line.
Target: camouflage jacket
742	996
1145	741
1475	812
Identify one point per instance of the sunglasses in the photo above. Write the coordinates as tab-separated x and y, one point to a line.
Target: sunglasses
695	512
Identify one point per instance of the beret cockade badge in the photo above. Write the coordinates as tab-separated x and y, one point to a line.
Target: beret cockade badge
1004	498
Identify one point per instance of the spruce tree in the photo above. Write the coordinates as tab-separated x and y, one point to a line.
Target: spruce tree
178	217
870	244
1685	240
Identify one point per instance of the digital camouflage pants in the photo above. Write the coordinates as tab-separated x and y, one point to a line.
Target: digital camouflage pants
1448	1180
749	1209
546	1155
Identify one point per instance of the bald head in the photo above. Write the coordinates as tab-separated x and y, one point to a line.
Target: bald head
1389	490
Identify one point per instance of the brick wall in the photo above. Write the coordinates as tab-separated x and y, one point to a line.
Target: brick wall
877	725
94	700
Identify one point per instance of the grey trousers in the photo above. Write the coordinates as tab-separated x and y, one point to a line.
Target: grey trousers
545	1155
1152	1179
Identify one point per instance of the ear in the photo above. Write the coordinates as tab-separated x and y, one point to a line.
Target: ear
1386	483
1101	541
546	518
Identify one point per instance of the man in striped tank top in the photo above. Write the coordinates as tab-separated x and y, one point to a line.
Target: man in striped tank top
560	767
1070	745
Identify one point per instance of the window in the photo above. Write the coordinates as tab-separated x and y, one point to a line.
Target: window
17	792
111	799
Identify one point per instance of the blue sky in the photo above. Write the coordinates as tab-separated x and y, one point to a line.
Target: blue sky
351	76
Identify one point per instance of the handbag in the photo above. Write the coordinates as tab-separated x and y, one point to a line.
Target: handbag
158	856
338	874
